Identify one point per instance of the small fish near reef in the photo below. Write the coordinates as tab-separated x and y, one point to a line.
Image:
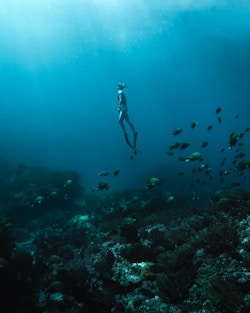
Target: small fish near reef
102	185
68	183
209	127
39	200
176	131
153	182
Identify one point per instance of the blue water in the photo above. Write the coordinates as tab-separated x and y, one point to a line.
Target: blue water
60	62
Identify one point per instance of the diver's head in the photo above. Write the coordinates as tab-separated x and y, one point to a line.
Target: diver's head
121	86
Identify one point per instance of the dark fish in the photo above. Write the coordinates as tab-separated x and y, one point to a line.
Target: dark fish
193	170
247	129
241	155
116	171
225	172
176	131
233	138
241	135
219	119
240	144
102	185
204	144
177	144
222	150
193	124
218	110
243	165
236	116
172	147
185	145
171	153
234	162
210	127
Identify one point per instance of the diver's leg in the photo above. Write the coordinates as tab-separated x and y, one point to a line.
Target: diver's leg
133	129
124	131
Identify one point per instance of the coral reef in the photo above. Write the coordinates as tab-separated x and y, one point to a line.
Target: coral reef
127	252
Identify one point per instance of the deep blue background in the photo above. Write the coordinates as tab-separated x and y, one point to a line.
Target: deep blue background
60	62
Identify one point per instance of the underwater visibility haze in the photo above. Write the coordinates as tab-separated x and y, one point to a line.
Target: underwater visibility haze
92	221
60	64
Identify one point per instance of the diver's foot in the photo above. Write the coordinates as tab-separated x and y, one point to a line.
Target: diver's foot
134	152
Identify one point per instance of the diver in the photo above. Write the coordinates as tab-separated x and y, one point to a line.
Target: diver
123	115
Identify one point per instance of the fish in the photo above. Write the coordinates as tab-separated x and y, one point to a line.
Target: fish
224	172
177	144
171	153
219	119
170	199
176	131
218	110
116	171
193	157
172	147
153	182
102	185
222	150
68	183
243	165
240	155
247	130
185	145
209	127
233	138
193	124
103	173
204	144
201	167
